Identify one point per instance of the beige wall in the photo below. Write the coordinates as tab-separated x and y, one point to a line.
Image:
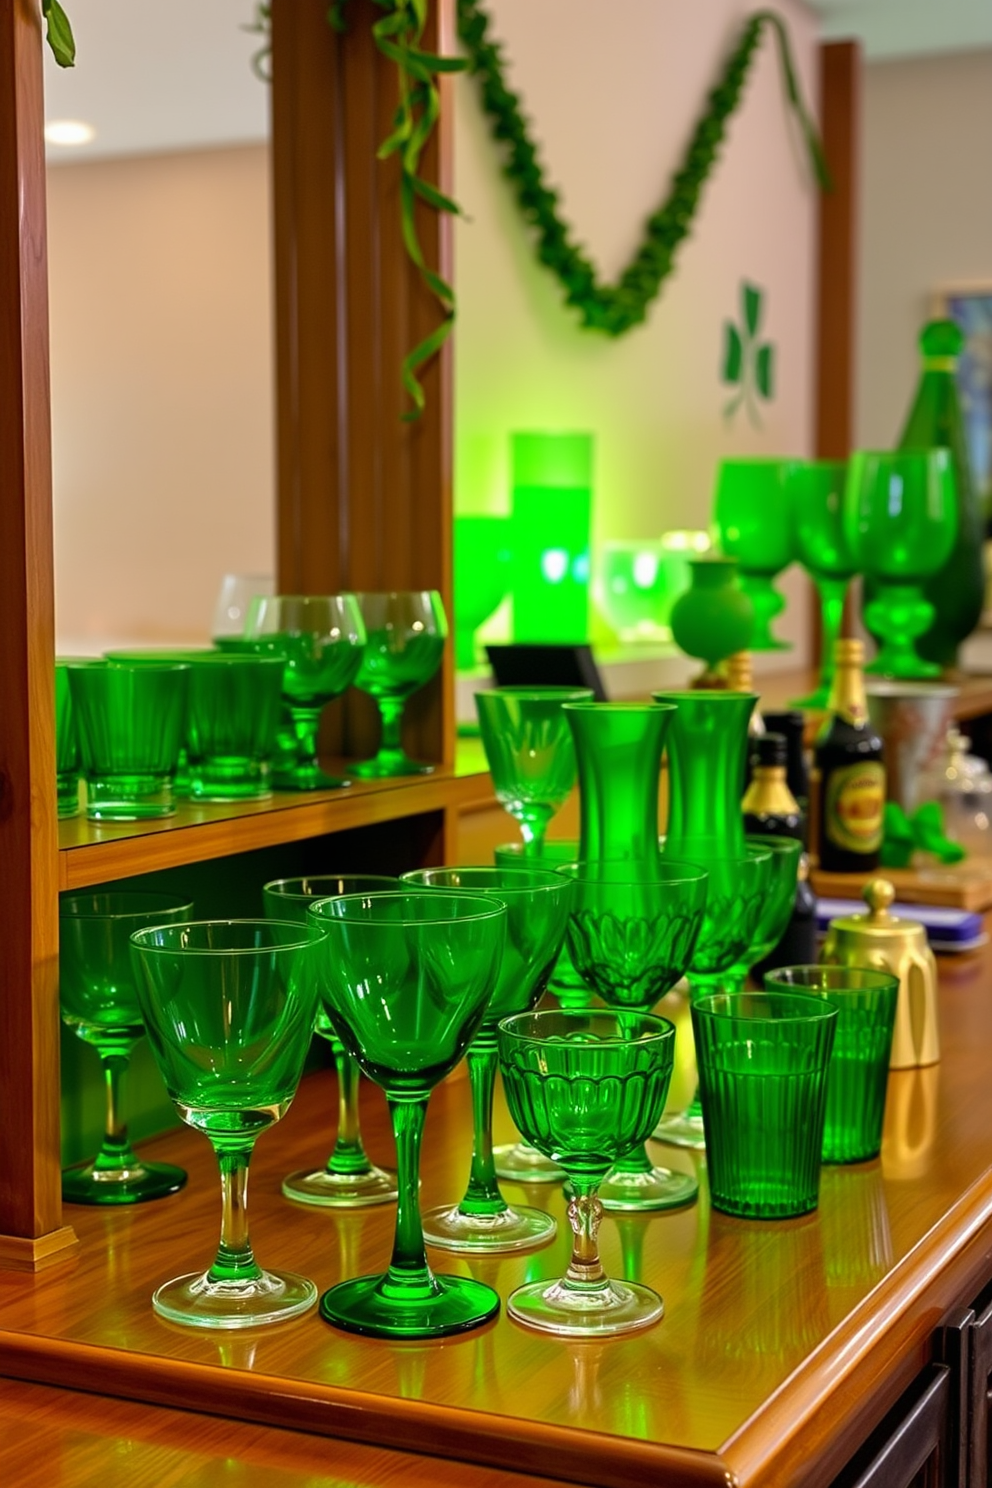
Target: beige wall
161	389
926	216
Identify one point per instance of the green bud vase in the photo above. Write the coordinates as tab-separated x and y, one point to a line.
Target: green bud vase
707	739
618	749
714	617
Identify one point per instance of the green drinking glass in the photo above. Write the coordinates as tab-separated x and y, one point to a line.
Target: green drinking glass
66	745
406	978
822	548
901	519
586	1089
229	1006
536	902
530	753
348	1180
632	931
753	512
858	1074
322	638
130	720
99	1002
406	630
763	1059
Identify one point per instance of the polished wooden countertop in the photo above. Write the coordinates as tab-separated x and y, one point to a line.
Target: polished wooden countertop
782	1345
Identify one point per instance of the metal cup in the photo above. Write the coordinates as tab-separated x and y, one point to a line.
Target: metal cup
912	720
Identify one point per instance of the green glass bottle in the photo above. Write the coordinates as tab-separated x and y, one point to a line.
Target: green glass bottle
957	589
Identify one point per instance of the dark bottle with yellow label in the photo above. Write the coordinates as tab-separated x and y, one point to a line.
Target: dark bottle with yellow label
849	773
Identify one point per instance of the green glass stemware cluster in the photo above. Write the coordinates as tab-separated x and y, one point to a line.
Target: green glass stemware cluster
530	753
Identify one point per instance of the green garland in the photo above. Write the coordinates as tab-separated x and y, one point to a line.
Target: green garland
615	308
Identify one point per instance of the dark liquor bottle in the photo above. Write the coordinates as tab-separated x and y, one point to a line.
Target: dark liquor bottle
770	808
849	776
792	725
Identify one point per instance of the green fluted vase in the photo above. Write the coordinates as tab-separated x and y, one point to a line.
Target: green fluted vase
707	744
618	749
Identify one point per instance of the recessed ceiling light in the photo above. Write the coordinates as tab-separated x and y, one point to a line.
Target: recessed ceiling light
69	132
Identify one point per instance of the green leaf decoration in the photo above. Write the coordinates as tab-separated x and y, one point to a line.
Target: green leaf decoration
733	356
764	371
59	33
752	297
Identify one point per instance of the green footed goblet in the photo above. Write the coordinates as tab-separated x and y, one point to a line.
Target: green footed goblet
753	511
99	1001
530	753
406	632
822	548
406	978
536	903
348	1180
229	1006
632	931
586	1089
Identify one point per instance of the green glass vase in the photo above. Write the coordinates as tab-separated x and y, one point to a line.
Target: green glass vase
707	744
618	749
714	617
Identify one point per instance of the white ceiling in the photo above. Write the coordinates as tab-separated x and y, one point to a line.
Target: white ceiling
176	74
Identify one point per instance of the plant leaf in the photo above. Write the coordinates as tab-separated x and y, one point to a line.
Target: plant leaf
764	370
752	297
59	33
733	353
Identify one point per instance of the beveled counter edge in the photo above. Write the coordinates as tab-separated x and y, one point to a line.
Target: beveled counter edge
564	1453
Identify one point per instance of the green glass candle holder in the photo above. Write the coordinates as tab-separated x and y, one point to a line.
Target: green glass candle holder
131	720
551	502
530	754
483	562
858	1075
818	488
99	1002
406	631
66	745
618	748
229	1007
753	512
348	1180
536	902
763	1059
586	1089
406	978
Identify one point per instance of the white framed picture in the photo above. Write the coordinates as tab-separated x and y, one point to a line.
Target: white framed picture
970	306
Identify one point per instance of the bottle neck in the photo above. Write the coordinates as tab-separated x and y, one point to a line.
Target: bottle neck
768	793
847	694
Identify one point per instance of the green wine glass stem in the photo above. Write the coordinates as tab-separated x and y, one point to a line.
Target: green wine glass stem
533	825
349	1155
832	593
409	1277
585	1212
116	1153
391	709
235	1260
482	1195
306	721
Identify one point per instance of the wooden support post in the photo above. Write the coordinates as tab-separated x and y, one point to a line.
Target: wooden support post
840	114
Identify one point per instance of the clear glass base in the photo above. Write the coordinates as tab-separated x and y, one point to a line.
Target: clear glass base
522	1163
457	1304
389	762
660	1188
585	1312
87	1184
329	1190
514	1229
680	1129
271	1297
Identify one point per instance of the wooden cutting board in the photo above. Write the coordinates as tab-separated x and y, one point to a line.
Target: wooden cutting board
966	885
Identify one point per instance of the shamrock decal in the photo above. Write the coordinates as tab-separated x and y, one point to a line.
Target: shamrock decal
748	363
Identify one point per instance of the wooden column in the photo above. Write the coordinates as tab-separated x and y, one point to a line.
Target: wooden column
840	123
364	500
31	1230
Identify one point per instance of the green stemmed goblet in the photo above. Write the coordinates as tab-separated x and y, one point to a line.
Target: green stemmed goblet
99	1001
406	631
406	978
530	752
536	903
901	519
586	1089
822	548
322	638
776	908
753	511
229	1006
348	1180
632	931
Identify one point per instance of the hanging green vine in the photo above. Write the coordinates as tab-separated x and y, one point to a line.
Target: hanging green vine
615	308
58	33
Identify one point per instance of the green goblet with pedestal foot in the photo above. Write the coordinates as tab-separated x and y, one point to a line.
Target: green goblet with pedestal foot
753	511
406	632
348	1180
586	1089
530	753
406	978
823	550
536	903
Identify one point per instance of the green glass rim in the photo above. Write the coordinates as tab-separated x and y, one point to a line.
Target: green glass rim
535	692
829	978
618	871
619	707
796	1007
361	594
192	658
137	905
683	694
446	906
533	1027
177	935
507	883
283	886
102	663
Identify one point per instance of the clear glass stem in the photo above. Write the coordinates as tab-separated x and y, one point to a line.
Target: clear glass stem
409	1276
832	592
235	1260
116	1152
349	1155
306	722
585	1271
482	1195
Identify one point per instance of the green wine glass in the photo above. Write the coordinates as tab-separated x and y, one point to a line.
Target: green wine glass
406	631
632	931
822	548
901	519
586	1089
229	1006
753	512
322	638
530	753
348	1180
99	1002
536	903
406	978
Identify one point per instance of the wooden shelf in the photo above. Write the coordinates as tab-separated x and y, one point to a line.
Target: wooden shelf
777	688
782	1345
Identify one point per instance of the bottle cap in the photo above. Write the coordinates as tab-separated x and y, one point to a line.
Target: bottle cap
770	750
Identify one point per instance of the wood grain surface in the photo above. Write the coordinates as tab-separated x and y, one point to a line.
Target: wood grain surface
782	1344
